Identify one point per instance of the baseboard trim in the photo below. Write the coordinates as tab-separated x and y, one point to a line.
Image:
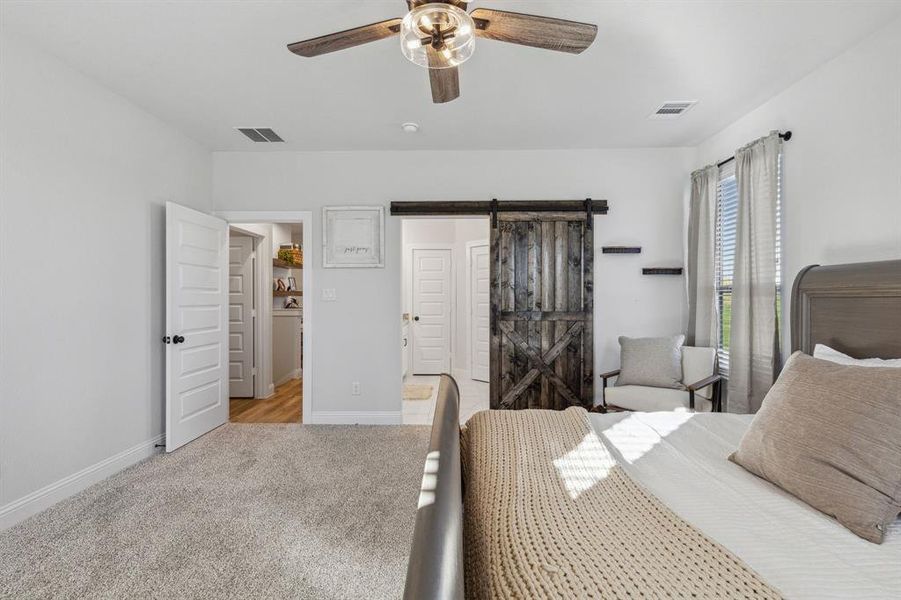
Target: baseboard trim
47	496
340	417
295	374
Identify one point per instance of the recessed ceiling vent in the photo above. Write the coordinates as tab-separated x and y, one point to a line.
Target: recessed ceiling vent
260	134
671	110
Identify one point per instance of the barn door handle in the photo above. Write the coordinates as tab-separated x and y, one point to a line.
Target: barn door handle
178	339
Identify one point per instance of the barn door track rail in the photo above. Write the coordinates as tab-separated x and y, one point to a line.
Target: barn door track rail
430	208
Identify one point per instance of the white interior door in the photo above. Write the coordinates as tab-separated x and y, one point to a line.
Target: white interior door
479	306
241	316
431	311
196	324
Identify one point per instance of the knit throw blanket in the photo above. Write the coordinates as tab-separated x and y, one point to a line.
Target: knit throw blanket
550	514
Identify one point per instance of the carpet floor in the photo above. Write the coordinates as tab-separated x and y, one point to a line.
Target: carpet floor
246	511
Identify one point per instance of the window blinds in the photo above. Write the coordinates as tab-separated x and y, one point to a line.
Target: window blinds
724	255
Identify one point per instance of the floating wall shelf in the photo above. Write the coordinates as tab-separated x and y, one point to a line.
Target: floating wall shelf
621	249
661	271
284	294
283	264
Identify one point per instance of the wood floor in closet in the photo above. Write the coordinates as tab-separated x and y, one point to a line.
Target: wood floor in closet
283	407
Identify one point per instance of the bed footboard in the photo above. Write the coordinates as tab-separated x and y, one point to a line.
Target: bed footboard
435	568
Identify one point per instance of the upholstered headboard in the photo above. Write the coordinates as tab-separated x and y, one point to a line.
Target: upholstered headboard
854	308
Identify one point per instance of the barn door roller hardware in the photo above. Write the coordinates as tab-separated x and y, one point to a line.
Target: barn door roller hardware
492	207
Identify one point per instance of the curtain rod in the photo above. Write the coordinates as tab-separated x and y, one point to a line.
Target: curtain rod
785	136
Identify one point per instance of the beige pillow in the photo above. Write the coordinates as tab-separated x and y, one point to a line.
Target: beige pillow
831	435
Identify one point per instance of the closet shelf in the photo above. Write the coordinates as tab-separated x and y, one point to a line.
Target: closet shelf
284	294
283	264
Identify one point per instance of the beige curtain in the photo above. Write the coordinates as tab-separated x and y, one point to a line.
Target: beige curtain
703	320
754	342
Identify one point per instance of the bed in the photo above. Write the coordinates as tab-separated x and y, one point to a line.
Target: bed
680	459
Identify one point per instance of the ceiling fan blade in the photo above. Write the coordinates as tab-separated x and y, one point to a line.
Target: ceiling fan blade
532	30
445	82
346	39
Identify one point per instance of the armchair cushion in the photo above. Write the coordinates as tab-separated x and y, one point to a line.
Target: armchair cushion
697	364
648	399
653	362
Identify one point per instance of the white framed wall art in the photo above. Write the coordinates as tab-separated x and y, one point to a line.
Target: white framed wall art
353	237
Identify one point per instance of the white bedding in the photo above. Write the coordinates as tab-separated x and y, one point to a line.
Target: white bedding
681	459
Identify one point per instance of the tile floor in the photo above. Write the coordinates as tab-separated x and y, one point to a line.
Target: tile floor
473	398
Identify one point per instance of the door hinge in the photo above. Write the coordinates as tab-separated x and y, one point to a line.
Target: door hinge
253	255
253	371
253	313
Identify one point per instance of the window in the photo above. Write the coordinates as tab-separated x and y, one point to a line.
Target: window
724	254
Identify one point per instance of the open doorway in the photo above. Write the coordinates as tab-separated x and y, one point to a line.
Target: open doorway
266	322
445	320
214	348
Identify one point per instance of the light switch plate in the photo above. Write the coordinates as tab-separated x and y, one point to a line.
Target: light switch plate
329	295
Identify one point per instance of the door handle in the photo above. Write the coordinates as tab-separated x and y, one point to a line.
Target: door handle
416	318
405	342
178	339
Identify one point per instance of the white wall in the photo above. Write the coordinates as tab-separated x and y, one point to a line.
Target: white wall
842	179
84	177
281	234
359	336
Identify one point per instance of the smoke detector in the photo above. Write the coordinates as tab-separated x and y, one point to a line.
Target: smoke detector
672	109
410	127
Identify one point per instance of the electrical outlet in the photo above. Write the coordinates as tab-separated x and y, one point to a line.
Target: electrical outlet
355	388
329	295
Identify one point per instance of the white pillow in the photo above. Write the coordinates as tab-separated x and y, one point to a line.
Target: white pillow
824	352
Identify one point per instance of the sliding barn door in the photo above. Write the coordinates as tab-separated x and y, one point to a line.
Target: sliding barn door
541	302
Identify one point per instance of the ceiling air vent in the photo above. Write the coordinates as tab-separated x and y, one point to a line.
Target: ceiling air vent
260	134
671	110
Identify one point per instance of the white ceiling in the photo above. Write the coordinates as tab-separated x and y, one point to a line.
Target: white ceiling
206	66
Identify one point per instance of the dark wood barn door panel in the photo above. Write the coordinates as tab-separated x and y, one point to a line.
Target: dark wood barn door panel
542	305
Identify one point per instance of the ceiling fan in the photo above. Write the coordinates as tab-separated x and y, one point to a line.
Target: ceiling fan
440	35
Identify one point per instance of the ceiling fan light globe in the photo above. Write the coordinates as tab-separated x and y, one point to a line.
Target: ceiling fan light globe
437	36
